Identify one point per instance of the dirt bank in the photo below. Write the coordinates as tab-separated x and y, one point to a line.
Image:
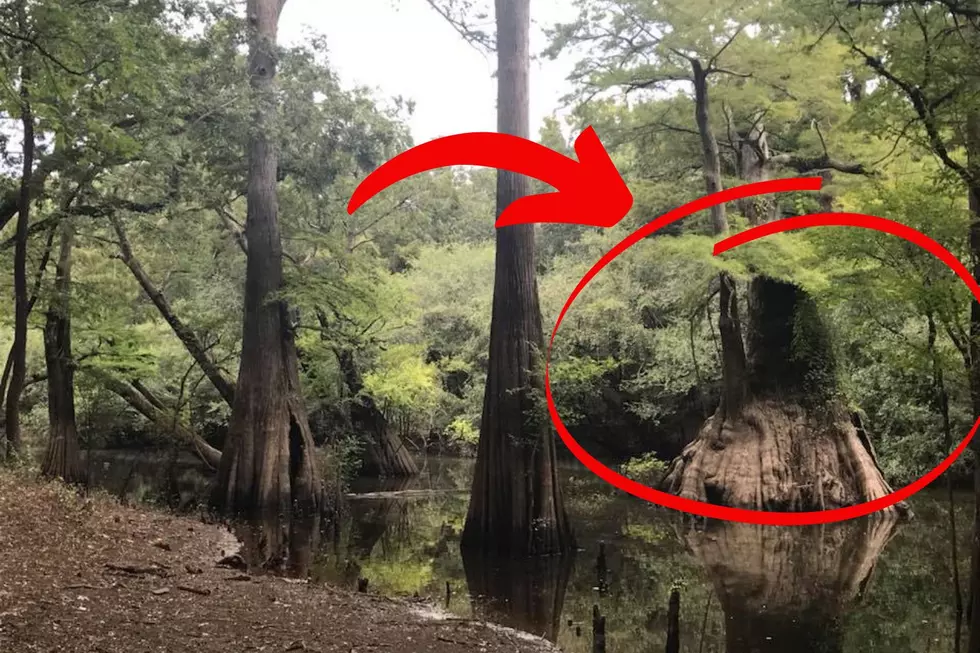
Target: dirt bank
89	575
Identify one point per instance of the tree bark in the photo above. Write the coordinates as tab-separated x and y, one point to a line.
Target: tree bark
19	366
62	458
194	346
753	160
516	505
268	463
709	145
386	453
735	382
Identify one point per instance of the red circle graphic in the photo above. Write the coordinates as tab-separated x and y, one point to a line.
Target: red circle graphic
789	224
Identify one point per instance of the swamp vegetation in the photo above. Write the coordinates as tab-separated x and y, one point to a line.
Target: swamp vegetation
192	304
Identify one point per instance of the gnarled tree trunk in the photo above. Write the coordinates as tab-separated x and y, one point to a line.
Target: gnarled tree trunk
792	445
781	438
516	505
268	462
62	458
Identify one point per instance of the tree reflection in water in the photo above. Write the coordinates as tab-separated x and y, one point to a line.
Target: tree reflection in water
278	545
526	594
785	590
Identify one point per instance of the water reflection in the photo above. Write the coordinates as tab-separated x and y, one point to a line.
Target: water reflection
372	520
786	589
280	545
863	586
524	594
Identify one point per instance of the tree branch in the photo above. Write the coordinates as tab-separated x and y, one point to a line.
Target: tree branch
194	346
208	454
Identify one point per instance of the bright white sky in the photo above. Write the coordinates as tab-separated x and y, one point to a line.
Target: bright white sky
403	47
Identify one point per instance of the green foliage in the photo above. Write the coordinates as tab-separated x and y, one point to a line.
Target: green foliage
403	382
145	115
646	469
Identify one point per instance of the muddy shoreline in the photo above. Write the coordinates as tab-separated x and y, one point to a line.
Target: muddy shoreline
86	574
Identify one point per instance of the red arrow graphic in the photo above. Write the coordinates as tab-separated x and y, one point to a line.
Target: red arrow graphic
590	191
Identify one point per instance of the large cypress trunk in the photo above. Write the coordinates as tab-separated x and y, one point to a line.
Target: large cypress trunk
516	505
268	463
792	445
782	438
62	458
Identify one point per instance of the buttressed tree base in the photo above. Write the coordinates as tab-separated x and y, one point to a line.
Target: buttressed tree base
782	437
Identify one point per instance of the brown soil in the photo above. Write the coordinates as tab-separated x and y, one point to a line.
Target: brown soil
89	575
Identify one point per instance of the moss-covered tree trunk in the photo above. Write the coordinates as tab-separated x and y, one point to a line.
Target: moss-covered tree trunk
516	505
268	462
62	458
782	437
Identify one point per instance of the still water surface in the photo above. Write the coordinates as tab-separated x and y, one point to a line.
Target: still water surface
865	586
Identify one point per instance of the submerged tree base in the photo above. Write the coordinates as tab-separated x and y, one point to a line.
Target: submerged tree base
779	455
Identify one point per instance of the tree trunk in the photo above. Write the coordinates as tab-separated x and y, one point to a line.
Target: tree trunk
191	342
62	457
158	415
793	444
781	438
19	366
735	383
942	403
386	453
673	622
973	154
753	159
268	463
516	505
709	145
42	266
